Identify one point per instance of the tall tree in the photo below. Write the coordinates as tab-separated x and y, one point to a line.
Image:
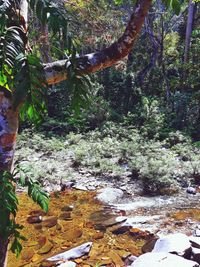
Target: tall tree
191	7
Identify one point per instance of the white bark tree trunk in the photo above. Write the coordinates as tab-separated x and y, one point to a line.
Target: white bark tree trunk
188	34
8	133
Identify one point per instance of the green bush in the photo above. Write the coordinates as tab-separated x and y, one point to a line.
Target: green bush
177	137
155	166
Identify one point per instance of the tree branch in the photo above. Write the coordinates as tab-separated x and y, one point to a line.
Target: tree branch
56	72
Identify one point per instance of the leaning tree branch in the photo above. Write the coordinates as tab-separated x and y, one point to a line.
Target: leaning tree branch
56	72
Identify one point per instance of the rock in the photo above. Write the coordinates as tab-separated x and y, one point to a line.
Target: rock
115	258
123	253
149	245
72	234
191	190
184	183
65	216
109	195
110	222
195	241
139	234
37	213
67	264
73	253
46	248
120	229
197	233
196	255
162	259
49	221
42	241
175	243
80	187
66	185
34	219
129	260
27	254
139	220
67	208
98	235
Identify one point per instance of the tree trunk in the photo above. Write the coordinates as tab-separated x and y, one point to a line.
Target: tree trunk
8	133
44	43
191	6
3	252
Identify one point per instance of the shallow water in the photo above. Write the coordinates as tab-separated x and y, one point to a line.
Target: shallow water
76	217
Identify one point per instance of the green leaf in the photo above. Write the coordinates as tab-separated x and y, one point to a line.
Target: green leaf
118	2
176	6
22	178
38	195
16	247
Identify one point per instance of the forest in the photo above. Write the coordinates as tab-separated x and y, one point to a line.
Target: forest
99	133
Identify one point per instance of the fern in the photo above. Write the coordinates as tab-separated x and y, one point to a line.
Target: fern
35	191
30	88
48	12
12	41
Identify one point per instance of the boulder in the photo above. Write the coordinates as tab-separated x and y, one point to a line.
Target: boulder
109	195
196	255
162	259
149	245
195	241
175	243
73	253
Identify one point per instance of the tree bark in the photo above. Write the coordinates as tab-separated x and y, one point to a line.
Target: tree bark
3	252
44	43
8	133
191	6
56	72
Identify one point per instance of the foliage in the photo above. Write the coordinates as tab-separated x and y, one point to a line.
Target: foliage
9	206
112	151
20	73
153	96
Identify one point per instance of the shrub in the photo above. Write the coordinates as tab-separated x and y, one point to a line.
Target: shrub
177	137
155	167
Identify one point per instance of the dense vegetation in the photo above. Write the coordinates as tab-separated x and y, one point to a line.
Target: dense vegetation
112	152
154	86
148	104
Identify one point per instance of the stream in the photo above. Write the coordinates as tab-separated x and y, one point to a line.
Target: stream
117	229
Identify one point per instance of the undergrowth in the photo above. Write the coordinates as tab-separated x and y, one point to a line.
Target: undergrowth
162	166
